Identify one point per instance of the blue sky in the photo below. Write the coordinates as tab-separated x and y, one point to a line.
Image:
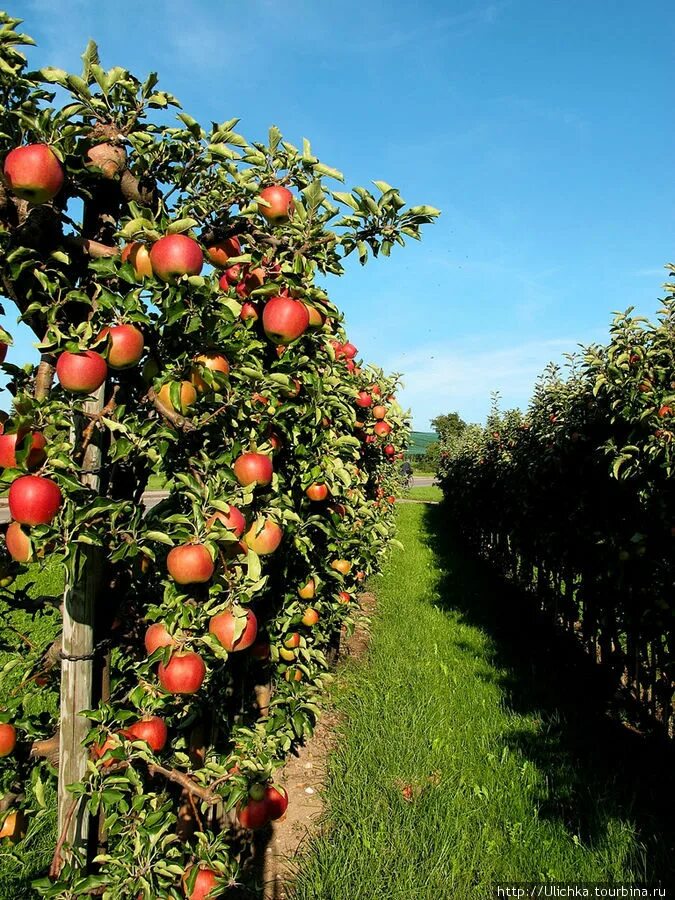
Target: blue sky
543	131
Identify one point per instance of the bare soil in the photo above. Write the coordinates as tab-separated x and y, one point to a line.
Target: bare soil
303	776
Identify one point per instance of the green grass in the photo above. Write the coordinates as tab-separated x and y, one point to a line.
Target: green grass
472	751
425	493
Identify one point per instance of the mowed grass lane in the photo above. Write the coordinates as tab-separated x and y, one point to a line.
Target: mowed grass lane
453	769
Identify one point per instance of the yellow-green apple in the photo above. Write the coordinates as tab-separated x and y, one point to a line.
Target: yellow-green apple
187	399
310	616
379	412
211	360
341	565
307	590
138	255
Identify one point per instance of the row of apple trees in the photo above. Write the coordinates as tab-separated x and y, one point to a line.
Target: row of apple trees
576	497
175	274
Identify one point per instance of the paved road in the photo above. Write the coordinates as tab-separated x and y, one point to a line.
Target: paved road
152	498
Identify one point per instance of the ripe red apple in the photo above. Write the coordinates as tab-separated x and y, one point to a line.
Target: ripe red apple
252	279
109	159
232	520
230	276
285	319
317	492
278	205
206	884
18	543
183	674
150	729
389	450
125	345
310	616
379	412
364	400
223	625
343	597
138	255
7	739
175	255
292	640
341	565
190	564
277	801
34	500
211	360
253	468
81	373
36	454
307	590
188	396
382	429
264	536
375	389
219	252
33	173
157	636
349	351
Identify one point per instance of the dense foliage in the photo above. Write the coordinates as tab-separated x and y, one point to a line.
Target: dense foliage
209	372
575	497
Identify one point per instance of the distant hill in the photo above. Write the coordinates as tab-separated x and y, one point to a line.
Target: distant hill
420	440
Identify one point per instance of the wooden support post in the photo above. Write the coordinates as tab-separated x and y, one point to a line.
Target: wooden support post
77	674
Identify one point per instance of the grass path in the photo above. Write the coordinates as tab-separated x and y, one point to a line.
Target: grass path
469	755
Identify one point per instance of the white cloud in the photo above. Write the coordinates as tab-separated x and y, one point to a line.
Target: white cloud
446	378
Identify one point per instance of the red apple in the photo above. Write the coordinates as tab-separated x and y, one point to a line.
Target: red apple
34	500
317	492
277	801
389	450
157	636
232	520
188	396
33	173
341	565
151	729
138	255
316	318
379	412
285	319
249	312
253	468
264	536
36	454
230	276
81	373
349	351
18	543
382	429
364	400
206	884
223	626
190	564
125	345
219	252
254	813
13	826
214	362
175	255
183	674
278	205
7	739
292	640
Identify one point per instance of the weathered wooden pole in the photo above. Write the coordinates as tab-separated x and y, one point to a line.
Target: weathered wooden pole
77	666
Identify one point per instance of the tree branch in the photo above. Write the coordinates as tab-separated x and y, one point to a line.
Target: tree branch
187	783
170	415
55	867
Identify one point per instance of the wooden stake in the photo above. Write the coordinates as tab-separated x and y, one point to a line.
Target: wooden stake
77	674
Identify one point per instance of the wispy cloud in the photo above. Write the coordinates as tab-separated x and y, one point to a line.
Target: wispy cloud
442	378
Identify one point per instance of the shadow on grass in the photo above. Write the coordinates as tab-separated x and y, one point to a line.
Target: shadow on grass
598	770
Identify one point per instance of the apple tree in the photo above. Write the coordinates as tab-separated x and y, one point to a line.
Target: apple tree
175	275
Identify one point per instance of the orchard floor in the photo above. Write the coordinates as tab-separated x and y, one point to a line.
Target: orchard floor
472	748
